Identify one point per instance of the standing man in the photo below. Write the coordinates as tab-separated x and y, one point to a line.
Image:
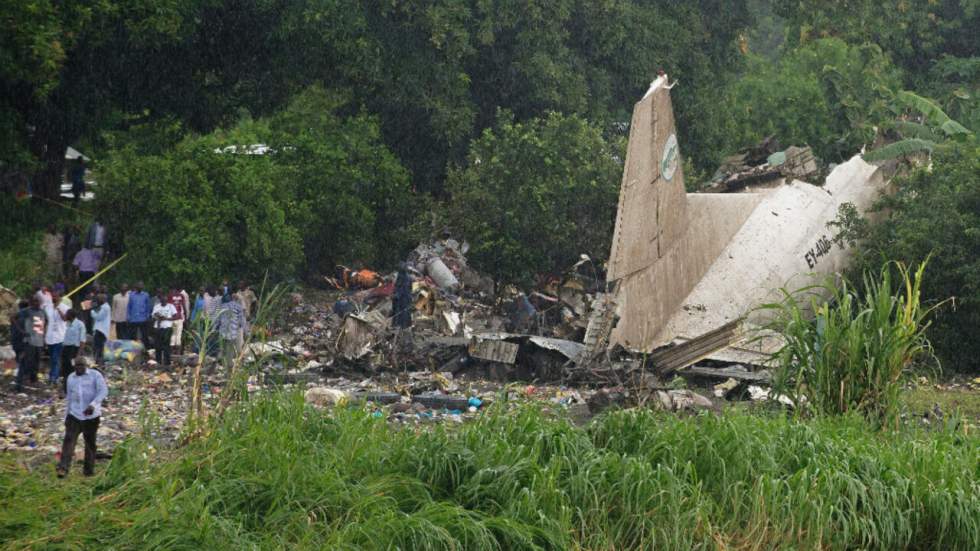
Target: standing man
164	314
86	264
95	236
401	302
246	297
74	339
43	294
18	338
120	303
101	319
231	328
77	178
35	326
138	315
179	302
54	337
86	390
53	243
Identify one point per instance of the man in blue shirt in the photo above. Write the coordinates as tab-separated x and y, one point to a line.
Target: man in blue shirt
86	391
138	314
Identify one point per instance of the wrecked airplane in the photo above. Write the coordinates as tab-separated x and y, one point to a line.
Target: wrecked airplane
686	268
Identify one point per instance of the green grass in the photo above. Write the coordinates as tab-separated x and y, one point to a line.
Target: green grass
276	474
962	401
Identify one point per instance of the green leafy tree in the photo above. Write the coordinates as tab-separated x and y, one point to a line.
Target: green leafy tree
916	33
355	202
533	196
65	66
296	192
826	94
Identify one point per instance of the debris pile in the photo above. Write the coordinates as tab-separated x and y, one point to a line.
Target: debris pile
470	345
764	163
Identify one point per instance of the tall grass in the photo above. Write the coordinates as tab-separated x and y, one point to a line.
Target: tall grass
276	474
848	352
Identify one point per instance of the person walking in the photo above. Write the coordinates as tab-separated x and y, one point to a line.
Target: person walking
120	304
138	315
74	339
86	389
164	314
101	320
54	336
35	322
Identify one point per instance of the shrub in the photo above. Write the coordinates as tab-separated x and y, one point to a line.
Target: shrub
849	352
534	196
325	191
826	94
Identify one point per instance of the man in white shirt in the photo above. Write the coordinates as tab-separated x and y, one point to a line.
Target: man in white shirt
163	317
54	336
85	392
120	302
101	315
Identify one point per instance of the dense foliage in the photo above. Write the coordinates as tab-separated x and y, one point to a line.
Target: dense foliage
534	196
274	474
936	211
827	93
434	71
318	188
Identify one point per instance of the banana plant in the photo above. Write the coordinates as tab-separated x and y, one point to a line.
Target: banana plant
933	129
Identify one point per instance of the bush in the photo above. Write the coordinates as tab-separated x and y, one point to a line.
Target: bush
826	94
849	352
534	196
325	191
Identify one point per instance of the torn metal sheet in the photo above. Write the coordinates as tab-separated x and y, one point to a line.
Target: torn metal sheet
570	349
494	350
356	338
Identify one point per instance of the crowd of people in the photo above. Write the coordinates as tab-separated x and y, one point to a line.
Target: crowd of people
49	323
